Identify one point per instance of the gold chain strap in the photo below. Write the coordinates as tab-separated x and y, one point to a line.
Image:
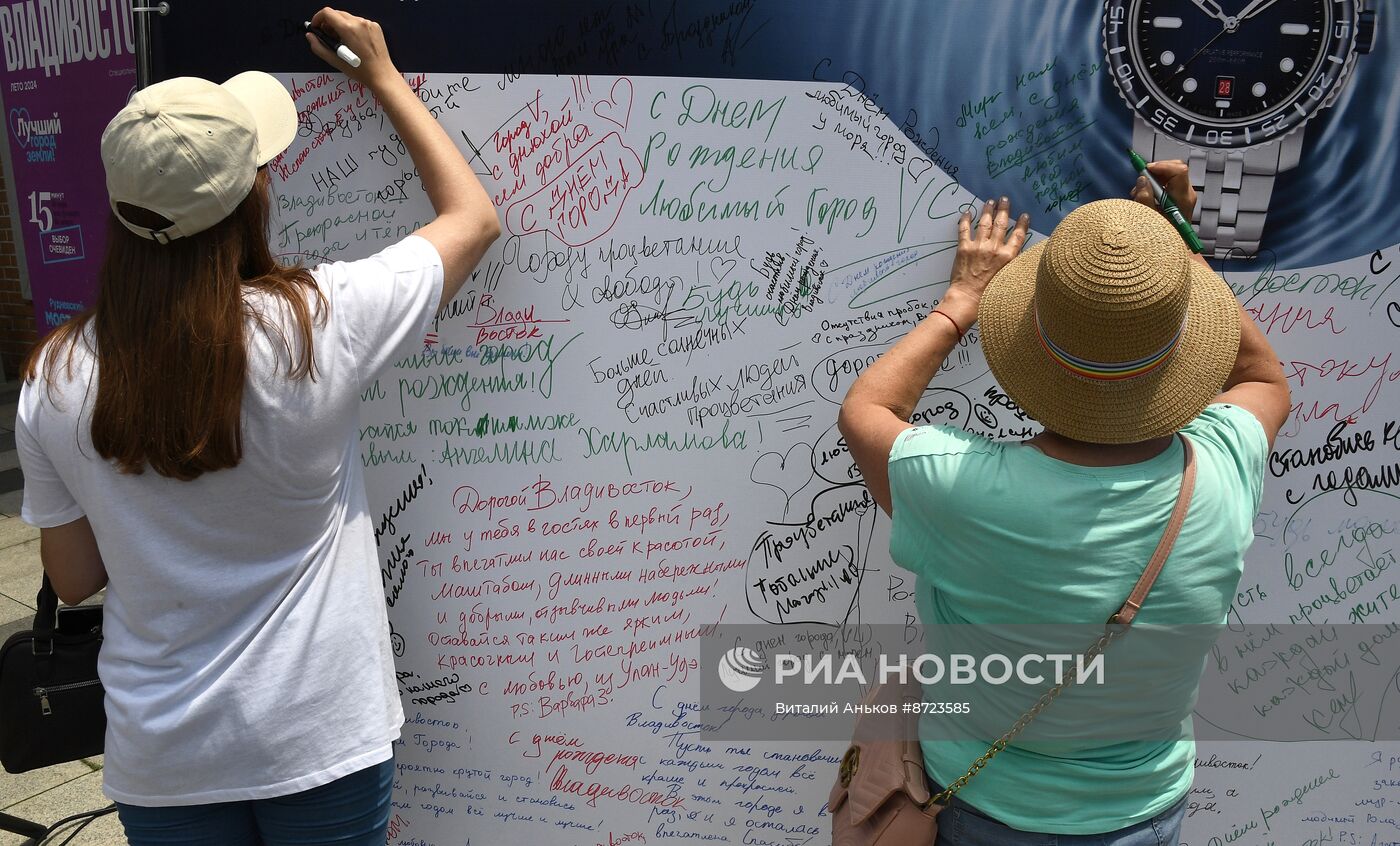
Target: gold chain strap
1112	631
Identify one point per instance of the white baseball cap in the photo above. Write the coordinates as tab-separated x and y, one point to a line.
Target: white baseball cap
189	150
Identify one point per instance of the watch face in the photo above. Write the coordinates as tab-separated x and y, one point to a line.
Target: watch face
1228	72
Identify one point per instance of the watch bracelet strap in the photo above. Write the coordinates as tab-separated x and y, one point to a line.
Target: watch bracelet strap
1233	187
1116	626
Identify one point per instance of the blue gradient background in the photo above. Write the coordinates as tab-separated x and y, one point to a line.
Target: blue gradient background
925	55
1338	203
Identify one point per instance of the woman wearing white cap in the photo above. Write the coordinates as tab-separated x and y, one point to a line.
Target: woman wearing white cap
191	444
1116	340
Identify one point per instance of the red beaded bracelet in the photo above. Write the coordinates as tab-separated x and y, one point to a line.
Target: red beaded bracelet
956	327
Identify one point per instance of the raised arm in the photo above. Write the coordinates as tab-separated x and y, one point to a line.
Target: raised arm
879	404
466	222
1257	383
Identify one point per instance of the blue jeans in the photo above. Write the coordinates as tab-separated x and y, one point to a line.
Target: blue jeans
960	824
350	811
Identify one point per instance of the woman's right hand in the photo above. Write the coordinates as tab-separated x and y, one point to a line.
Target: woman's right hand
985	248
1175	176
361	35
466	223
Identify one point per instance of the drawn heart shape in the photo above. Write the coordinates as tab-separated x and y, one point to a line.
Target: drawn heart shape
728	265
784	471
18	117
918	167
606	108
843	543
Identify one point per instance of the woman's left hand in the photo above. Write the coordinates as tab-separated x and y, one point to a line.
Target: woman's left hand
986	248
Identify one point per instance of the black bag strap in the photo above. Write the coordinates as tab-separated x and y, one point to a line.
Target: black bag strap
46	618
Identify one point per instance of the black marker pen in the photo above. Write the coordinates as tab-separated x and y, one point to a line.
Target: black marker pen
345	53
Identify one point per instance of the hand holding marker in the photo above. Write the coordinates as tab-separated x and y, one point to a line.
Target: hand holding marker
1168	205
345	53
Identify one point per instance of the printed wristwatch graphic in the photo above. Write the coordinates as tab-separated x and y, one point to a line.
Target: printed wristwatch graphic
1230	91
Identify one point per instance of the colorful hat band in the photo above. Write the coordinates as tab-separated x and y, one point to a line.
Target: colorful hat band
1107	371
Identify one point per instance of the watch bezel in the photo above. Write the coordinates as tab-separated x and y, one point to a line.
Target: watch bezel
1326	78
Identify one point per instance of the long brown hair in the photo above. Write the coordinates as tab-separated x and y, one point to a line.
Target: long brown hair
168	327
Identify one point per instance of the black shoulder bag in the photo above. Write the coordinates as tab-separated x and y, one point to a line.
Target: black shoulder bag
51	707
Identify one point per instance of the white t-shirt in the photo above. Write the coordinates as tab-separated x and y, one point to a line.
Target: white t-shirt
246	650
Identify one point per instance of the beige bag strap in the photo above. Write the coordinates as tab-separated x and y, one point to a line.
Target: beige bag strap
1128	612
1116	626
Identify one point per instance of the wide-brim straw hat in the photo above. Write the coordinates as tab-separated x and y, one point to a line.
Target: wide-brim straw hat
1108	331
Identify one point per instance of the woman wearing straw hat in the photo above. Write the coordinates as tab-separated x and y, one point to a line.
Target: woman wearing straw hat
1115	339
191	444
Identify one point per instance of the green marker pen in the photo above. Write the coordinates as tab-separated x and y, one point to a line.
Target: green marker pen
1169	208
